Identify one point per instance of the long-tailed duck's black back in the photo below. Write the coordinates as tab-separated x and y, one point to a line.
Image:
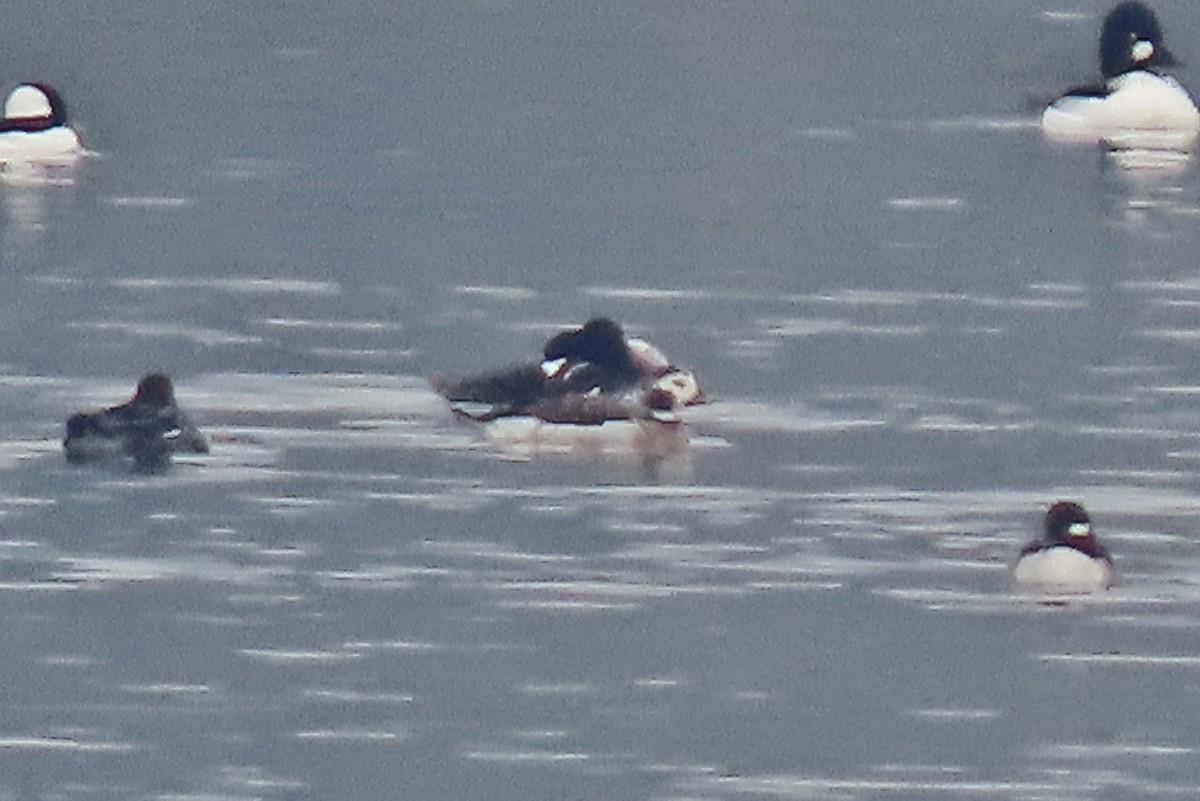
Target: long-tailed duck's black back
148	428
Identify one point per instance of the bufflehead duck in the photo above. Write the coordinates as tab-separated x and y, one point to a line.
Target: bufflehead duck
587	369
148	428
1068	557
1137	106
35	126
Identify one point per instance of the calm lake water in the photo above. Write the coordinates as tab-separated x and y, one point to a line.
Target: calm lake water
920	322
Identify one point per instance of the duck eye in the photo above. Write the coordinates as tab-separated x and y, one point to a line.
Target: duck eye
1141	50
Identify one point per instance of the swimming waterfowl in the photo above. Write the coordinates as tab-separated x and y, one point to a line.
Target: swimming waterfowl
148	428
516	387
35	126
593	357
586	372
655	406
1137	105
1068	557
643	428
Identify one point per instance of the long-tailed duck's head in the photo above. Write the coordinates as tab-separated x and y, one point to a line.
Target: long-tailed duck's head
155	389
34	107
1068	524
683	386
1131	39
660	406
600	341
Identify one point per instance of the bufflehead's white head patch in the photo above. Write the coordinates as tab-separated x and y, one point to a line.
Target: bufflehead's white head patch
1141	51
27	102
33	107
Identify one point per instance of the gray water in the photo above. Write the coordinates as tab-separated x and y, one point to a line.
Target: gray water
920	322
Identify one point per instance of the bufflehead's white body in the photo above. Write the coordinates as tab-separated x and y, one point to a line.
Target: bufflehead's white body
52	144
1143	109
1068	558
1137	106
35	129
1063	568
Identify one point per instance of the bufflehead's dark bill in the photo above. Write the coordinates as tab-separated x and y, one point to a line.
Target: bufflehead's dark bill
147	429
1068	557
1137	106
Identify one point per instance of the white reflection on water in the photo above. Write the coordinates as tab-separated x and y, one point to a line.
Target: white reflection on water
167	690
279	656
246	286
148	202
353	735
940	781
1124	660
927	203
68	744
334	696
520	757
810	327
100	569
522	439
1083	751
200	335
501	293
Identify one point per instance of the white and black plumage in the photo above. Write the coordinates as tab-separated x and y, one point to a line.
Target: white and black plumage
1137	105
147	429
586	372
1068	557
35	127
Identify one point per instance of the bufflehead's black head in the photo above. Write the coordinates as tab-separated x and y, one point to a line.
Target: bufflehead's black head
1132	40
600	342
155	389
1068	524
35	106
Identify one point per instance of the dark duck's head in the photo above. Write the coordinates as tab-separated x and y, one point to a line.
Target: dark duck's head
1068	524
1131	39
155	391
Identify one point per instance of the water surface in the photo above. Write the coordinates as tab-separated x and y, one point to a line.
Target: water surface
921	324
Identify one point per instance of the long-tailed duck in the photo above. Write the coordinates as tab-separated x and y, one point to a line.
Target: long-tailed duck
586	372
148	428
